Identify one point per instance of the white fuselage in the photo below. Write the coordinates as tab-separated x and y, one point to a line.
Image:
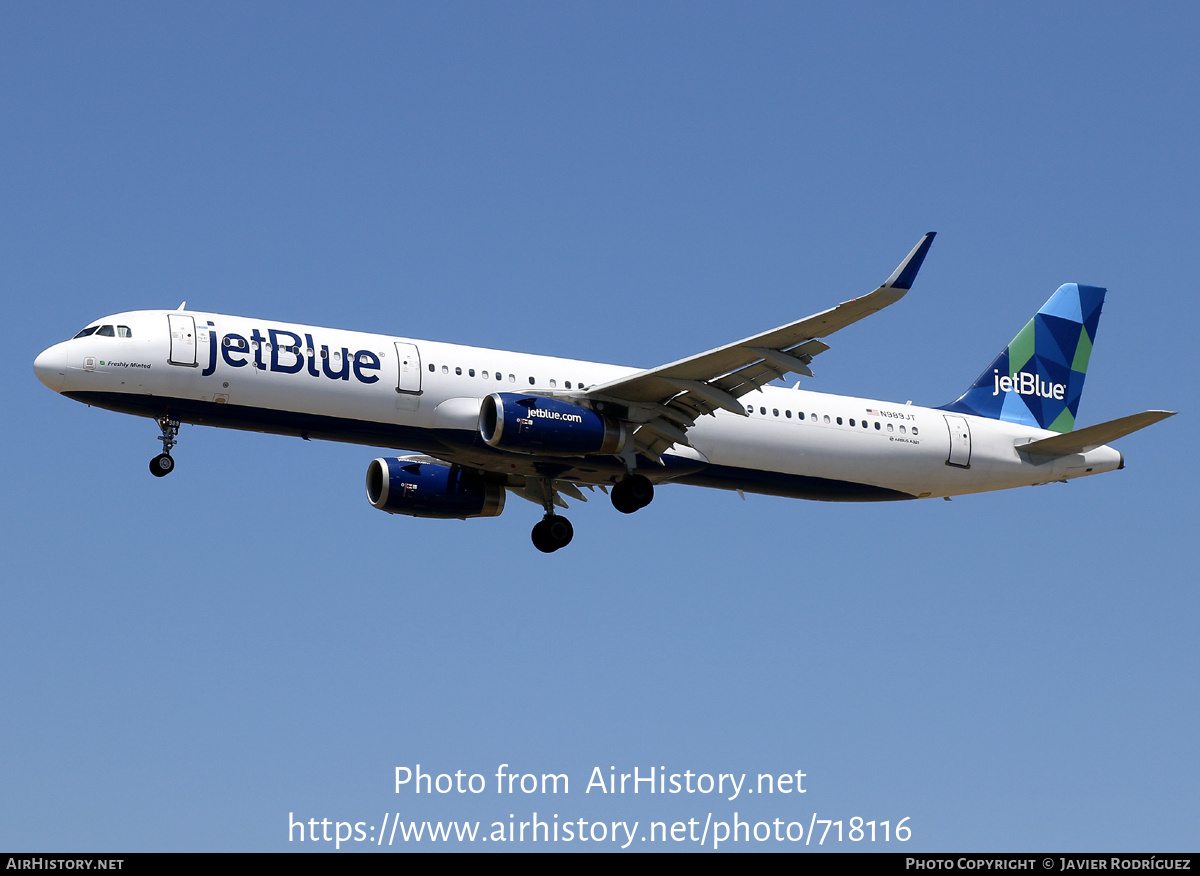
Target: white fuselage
425	396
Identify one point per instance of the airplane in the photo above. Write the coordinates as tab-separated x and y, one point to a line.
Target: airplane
481	424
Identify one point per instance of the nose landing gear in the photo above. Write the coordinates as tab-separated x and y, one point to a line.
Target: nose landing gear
162	465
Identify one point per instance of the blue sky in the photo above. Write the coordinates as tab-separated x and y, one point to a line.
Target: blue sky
189	660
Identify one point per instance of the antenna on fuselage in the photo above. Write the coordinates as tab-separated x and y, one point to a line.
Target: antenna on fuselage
182	305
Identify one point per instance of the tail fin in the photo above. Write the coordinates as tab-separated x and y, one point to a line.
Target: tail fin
1038	379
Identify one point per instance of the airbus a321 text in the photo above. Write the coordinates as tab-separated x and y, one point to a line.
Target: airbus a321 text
487	423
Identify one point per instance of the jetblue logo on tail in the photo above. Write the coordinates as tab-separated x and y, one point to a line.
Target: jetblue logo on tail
1038	378
1024	383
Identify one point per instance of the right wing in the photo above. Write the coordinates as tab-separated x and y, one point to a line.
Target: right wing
667	400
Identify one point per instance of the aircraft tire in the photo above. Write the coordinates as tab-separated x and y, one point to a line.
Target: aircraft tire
632	493
162	465
621	500
561	531
640	489
551	533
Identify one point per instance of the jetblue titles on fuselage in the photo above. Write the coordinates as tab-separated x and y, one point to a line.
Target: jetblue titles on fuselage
287	356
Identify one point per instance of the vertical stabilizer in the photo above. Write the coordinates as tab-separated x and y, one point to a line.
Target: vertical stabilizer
1038	378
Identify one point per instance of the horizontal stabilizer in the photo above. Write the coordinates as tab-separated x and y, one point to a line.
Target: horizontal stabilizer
1083	440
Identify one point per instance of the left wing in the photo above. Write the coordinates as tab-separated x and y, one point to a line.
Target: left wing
667	400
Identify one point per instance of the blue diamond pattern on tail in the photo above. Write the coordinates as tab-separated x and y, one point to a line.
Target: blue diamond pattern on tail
1037	380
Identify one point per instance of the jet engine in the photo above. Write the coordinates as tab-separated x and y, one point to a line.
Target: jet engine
550	426
424	487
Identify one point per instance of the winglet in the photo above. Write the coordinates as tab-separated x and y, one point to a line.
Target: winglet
903	276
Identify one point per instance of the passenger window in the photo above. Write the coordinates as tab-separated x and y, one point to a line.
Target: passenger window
445	369
432	367
788	414
471	372
839	419
775	411
827	418
124	332
106	331
568	384
851	421
484	375
800	414
902	431
458	371
512	378
890	429
877	427
914	430
499	376
553	383
531	381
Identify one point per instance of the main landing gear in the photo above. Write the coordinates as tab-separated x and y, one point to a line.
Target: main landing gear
162	465
632	493
552	532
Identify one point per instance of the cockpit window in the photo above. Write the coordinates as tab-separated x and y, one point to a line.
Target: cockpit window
124	332
106	331
87	331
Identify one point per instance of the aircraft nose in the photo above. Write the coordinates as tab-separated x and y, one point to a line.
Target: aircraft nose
51	366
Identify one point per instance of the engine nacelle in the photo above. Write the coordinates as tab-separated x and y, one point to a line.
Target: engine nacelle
425	488
535	424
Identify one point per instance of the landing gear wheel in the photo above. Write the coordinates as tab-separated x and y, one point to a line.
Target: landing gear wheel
631	493
551	533
162	465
